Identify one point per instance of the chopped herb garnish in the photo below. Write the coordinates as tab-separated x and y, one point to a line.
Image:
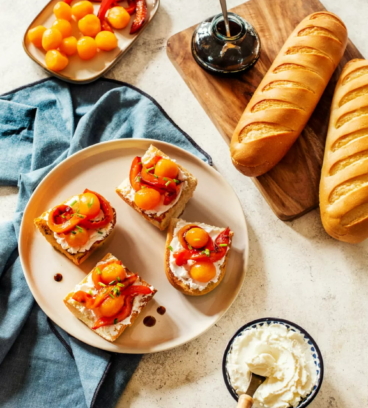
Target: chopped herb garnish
151	168
80	216
140	163
80	229
119	279
73	203
190	247
99	232
101	284
74	232
111	295
116	292
99	271
206	252
154	175
90	203
144	186
112	282
222	245
170	247
166	184
90	292
116	321
138	179
121	285
176	181
165	179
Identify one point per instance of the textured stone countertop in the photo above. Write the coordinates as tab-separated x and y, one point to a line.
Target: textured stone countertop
295	270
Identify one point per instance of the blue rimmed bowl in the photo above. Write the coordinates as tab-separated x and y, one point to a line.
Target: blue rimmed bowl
315	351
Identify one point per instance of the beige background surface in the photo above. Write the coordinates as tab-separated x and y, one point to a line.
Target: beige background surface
295	272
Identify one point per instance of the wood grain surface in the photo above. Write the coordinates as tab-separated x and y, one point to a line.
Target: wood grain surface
291	187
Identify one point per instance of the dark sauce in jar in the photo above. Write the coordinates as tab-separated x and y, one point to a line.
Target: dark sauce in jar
58	277
161	310
149	321
235	28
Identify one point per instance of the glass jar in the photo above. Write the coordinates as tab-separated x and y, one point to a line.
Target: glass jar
217	53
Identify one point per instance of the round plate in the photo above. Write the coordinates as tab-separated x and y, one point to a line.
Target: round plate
137	243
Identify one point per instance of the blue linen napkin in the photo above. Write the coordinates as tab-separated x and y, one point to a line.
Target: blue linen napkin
40	125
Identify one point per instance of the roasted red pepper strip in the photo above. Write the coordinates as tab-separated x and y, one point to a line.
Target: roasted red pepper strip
131	7
88	300
106	209
212	252
135	173
140	16
125	311
104	7
164	183
136	290
59	225
68	1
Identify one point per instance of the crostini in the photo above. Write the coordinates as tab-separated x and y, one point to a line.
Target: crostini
109	298
196	256
157	187
79	226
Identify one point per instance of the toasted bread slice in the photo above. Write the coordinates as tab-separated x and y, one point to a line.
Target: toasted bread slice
78	257
179	283
109	333
162	221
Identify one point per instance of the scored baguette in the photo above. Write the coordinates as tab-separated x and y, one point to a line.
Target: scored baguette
117	329
78	257
288	94
344	179
162	221
180	284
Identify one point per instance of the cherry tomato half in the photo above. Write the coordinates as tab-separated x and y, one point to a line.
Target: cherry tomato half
203	271
77	237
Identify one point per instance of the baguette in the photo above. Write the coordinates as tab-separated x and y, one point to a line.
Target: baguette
109	333
181	284
78	257
289	92
162	221
344	180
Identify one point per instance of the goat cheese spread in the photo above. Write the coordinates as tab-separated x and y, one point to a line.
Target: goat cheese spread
278	353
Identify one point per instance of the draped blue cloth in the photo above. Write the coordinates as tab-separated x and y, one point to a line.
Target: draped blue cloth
41	125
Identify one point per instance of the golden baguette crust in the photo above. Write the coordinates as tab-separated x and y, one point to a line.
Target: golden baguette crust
176	210
178	283
289	92
79	257
85	318
344	180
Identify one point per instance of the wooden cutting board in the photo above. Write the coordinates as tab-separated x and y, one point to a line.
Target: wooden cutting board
290	188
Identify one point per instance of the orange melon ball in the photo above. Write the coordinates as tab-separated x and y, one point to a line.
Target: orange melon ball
147	198
63	11
197	237
86	47
89	25
68	46
118	17
63	26
51	39
55	60
203	271
166	168
106	40
35	35
81	9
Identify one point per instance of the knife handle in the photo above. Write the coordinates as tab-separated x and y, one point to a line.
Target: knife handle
245	401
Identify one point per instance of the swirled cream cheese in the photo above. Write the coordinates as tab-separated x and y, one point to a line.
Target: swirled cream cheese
278	353
128	191
182	272
88	286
